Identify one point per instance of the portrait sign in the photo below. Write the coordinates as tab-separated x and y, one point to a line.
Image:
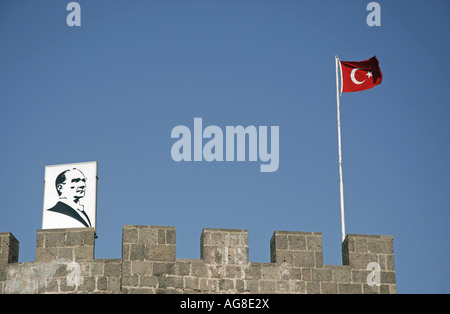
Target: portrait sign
70	196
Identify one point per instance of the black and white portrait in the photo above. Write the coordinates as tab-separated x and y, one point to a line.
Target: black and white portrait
70	196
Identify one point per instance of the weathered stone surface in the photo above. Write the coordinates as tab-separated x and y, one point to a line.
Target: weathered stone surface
65	264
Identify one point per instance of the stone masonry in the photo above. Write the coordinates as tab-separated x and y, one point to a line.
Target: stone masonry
65	263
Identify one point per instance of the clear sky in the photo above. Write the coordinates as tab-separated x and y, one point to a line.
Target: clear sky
113	89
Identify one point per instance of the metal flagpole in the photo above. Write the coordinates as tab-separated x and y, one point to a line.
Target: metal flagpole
341	185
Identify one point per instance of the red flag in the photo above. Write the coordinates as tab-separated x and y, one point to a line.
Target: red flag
360	75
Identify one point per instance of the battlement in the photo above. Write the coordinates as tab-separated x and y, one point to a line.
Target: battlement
65	263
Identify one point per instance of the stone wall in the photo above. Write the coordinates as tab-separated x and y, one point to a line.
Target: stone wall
65	263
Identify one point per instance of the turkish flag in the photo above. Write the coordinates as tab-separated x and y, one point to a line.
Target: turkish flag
360	75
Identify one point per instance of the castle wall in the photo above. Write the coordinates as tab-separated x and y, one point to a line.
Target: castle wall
65	263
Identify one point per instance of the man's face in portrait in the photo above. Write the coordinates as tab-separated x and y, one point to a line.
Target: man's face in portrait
74	187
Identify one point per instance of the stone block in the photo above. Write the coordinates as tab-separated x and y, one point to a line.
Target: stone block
160	252
350	288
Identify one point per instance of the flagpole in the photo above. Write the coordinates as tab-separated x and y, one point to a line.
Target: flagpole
341	185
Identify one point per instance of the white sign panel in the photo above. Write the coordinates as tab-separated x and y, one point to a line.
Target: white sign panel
70	196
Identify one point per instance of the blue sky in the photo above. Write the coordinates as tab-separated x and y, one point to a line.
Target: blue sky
113	89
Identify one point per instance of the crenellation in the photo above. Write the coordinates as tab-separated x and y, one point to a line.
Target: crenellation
224	246
9	248
361	251
297	249
65	263
69	244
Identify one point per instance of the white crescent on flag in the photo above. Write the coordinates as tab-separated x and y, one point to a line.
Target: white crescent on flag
352	76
